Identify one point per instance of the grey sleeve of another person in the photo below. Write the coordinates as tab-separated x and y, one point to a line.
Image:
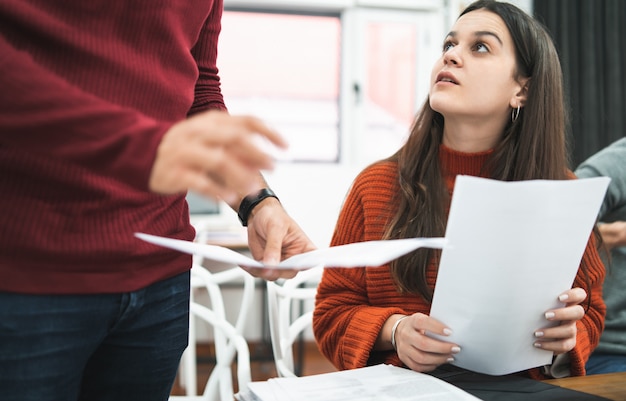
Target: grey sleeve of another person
609	162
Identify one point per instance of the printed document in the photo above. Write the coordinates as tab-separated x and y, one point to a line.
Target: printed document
373	383
513	248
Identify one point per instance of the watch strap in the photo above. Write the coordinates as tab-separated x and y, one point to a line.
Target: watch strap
249	202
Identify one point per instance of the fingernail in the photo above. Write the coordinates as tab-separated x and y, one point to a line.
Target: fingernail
549	315
537	345
450	359
538	333
271	263
447	331
563	297
455	350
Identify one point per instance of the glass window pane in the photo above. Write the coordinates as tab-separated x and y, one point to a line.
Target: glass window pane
284	68
390	90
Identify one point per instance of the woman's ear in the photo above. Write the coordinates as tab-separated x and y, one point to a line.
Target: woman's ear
519	98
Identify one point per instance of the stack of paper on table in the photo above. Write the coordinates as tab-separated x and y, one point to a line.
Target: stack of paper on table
374	383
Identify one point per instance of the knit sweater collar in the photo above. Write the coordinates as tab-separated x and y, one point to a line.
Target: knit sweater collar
454	162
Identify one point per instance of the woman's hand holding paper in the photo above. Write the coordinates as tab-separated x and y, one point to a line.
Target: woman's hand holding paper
562	337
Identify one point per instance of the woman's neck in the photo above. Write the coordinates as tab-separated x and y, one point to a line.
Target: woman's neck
471	137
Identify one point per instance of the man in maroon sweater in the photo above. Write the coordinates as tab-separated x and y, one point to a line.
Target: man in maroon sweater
109	112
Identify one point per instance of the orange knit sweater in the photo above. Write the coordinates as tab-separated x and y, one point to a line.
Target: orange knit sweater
353	304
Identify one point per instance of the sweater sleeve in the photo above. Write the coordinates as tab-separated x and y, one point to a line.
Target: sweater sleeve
345	324
208	94
609	162
65	122
590	327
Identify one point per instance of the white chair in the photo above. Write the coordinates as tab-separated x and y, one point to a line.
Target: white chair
219	385
228	336
290	311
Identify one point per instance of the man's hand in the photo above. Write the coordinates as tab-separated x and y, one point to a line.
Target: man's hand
274	236
213	154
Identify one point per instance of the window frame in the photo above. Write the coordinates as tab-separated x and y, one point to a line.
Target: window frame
350	14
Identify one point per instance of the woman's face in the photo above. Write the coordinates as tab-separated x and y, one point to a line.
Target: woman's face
474	78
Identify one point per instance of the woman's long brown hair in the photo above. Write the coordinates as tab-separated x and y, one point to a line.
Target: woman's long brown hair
532	147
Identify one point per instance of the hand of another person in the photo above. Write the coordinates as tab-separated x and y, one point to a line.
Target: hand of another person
274	236
418	351
214	154
562	337
613	234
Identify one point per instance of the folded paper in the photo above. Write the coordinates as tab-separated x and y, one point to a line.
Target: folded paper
368	253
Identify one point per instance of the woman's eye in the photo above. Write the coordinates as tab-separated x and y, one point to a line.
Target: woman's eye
481	48
447	46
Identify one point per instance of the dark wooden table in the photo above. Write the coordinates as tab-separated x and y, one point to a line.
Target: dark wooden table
608	385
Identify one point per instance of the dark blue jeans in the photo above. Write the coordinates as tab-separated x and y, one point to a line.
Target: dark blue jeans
110	347
605	363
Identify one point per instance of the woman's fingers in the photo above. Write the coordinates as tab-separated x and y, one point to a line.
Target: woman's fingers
561	338
419	351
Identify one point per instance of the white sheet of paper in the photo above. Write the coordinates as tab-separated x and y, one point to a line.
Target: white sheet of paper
513	248
379	382
369	253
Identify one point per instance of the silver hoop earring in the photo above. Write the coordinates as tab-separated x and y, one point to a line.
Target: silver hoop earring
515	114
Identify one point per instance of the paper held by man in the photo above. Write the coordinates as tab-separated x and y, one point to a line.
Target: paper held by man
369	253
510	249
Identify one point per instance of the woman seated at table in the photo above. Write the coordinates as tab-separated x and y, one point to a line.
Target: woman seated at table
496	110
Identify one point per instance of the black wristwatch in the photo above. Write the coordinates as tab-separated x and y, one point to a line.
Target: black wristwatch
249	202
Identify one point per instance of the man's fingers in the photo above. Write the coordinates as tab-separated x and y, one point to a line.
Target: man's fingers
255	125
270	274
224	147
213	165
220	127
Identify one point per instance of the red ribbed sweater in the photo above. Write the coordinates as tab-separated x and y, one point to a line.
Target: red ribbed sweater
87	90
353	304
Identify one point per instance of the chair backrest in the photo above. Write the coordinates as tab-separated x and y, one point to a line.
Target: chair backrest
289	315
228	336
